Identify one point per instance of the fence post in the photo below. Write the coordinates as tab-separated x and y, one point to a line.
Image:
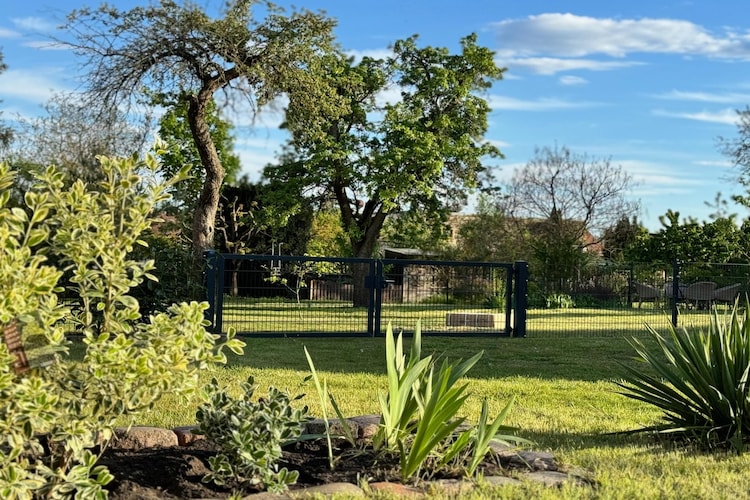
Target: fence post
521	274
209	281
675	290
219	314
378	284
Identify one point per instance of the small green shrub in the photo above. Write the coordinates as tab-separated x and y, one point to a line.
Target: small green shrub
129	361
559	301
249	435
495	301
700	381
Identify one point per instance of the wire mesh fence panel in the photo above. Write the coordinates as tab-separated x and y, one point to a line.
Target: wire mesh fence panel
291	296
288	295
447	297
623	301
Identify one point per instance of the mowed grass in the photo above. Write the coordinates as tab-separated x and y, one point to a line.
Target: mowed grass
566	401
253	316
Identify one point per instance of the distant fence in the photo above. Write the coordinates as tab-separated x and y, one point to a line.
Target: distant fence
265	295
621	300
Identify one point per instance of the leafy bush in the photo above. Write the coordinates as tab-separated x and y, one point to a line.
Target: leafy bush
495	301
173	267
559	301
70	406
700	381
249	435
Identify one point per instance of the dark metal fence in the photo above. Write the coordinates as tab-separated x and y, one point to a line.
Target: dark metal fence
266	295
622	300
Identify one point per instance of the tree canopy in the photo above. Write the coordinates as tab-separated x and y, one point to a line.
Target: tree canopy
422	152
176	48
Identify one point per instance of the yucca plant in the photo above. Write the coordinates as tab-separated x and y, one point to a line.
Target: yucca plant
700	381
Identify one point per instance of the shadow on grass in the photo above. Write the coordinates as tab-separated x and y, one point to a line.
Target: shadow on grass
583	359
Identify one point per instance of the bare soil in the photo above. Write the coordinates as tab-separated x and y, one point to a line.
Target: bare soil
177	472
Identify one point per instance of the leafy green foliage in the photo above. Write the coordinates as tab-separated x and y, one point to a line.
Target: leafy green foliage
249	435
420	410
700	381
720	240
129	362
422	155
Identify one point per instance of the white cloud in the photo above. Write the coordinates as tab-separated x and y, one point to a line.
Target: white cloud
35	86
714	163
372	53
46	45
498	102
6	33
552	65
499	144
725	116
36	24
720	98
572	80
570	35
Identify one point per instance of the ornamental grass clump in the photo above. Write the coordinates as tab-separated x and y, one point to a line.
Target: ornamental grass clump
699	379
421	413
58	415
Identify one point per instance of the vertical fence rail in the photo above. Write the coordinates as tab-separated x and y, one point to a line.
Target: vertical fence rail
520	296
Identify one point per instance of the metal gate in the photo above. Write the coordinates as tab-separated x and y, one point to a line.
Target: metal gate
268	295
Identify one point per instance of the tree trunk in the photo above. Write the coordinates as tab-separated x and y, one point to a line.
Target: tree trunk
204	217
363	248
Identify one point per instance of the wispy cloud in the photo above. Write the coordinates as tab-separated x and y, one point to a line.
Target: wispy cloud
498	102
725	116
714	163
35	24
35	86
572	80
46	45
6	33
553	65
553	42
358	55
719	98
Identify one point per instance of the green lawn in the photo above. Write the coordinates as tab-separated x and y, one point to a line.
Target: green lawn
566	402
261	316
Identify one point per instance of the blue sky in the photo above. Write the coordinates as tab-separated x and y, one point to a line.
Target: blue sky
649	85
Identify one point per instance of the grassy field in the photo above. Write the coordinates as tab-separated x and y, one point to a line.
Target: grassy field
253	316
566	401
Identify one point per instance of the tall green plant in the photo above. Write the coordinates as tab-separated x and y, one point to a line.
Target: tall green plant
699	379
129	362
421	408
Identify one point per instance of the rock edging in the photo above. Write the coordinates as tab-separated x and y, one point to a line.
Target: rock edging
534	466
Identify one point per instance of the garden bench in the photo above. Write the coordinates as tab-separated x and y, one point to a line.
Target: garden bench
473	319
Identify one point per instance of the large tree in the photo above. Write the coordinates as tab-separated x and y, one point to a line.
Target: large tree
422	152
176	48
567	200
585	194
